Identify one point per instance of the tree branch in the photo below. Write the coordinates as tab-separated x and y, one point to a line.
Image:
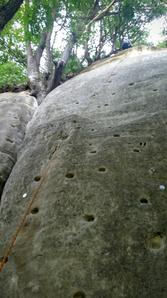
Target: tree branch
59	67
100	15
7	11
41	47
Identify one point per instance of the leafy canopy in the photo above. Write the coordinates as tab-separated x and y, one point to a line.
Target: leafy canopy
126	18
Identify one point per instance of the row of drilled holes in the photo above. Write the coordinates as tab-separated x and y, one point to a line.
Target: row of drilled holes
130	84
87	217
142	144
92	129
134	150
91	218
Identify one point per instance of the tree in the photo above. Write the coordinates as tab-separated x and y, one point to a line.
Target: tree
31	39
38	42
128	19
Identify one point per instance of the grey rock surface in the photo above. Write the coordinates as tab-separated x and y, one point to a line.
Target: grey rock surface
16	110
98	226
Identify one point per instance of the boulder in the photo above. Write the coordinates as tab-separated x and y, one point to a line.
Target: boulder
16	110
94	163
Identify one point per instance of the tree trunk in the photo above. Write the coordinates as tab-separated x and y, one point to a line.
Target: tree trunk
38	81
7	11
48	55
59	67
101	43
37	86
32	71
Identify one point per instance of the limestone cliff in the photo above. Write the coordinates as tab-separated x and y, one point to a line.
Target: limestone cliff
98	225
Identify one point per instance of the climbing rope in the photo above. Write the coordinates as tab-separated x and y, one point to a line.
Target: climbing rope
21	224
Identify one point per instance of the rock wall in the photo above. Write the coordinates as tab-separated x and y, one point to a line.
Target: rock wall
16	110
98	226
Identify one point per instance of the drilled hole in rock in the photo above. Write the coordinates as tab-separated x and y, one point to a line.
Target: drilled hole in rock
156	242
74	121
9	140
92	129
35	210
106	105
77	103
155	90
136	150
89	217
69	175
37	178
143	144
143	201
90	144
116	135
102	169
93	151
64	136
79	294
131	84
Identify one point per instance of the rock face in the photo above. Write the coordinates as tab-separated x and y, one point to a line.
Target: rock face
95	153
16	110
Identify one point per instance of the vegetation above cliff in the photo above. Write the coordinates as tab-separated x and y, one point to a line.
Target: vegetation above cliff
90	30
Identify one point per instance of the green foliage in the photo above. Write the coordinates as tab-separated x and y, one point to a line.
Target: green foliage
12	47
128	10
73	65
11	75
79	5
2	2
127	18
162	44
56	54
